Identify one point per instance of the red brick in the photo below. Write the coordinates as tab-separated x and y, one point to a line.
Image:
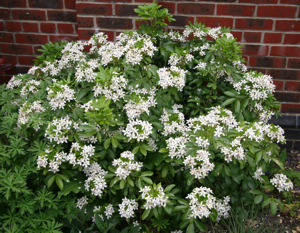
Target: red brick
48	27
52	4
287	97
86	34
259	70
29	14
122	0
94	9
195	8
4	14
260	1
114	23
284	74
293	63
285	51
35	48
292	39
290	1
216	21
14	3
6	37
31	39
11	59
5	79
55	38
70	4
236	10
85	22
290	108
276	11
255	49
252	37
16	48
272	37
69	16
180	21
65	28
13	26
292	86
1	25
267	62
287	25
26	60
17	70
278	84
238	35
169	5
259	24
30	27
125	10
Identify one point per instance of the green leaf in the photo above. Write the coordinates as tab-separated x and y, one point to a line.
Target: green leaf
227	170
122	183
266	201
231	93
228	101
107	143
143	150
114	142
218	168
237	106
72	186
147	173
278	163
50	181
163	150
200	226
135	150
190	228
213	215
273	207
59	182
165	171
180	208
169	188
258	157
145	214
146	179
258	199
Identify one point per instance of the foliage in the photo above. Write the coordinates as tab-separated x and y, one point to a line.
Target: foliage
150	130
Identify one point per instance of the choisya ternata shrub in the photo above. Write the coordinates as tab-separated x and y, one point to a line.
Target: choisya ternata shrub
157	131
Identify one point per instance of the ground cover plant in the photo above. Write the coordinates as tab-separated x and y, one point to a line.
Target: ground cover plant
154	129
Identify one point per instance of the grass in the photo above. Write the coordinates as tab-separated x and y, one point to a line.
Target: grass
248	220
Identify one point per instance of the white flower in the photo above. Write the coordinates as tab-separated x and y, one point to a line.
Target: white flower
281	182
127	207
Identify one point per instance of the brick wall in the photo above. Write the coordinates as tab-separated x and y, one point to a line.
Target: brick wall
270	30
25	25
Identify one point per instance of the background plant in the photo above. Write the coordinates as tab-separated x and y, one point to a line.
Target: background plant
147	131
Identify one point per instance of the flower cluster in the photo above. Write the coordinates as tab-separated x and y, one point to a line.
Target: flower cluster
59	129
81	202
137	129
29	109
59	95
281	182
141	101
125	164
112	89
30	86
154	196
107	210
171	77
173	121
127	208
202	202
199	165
258	173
